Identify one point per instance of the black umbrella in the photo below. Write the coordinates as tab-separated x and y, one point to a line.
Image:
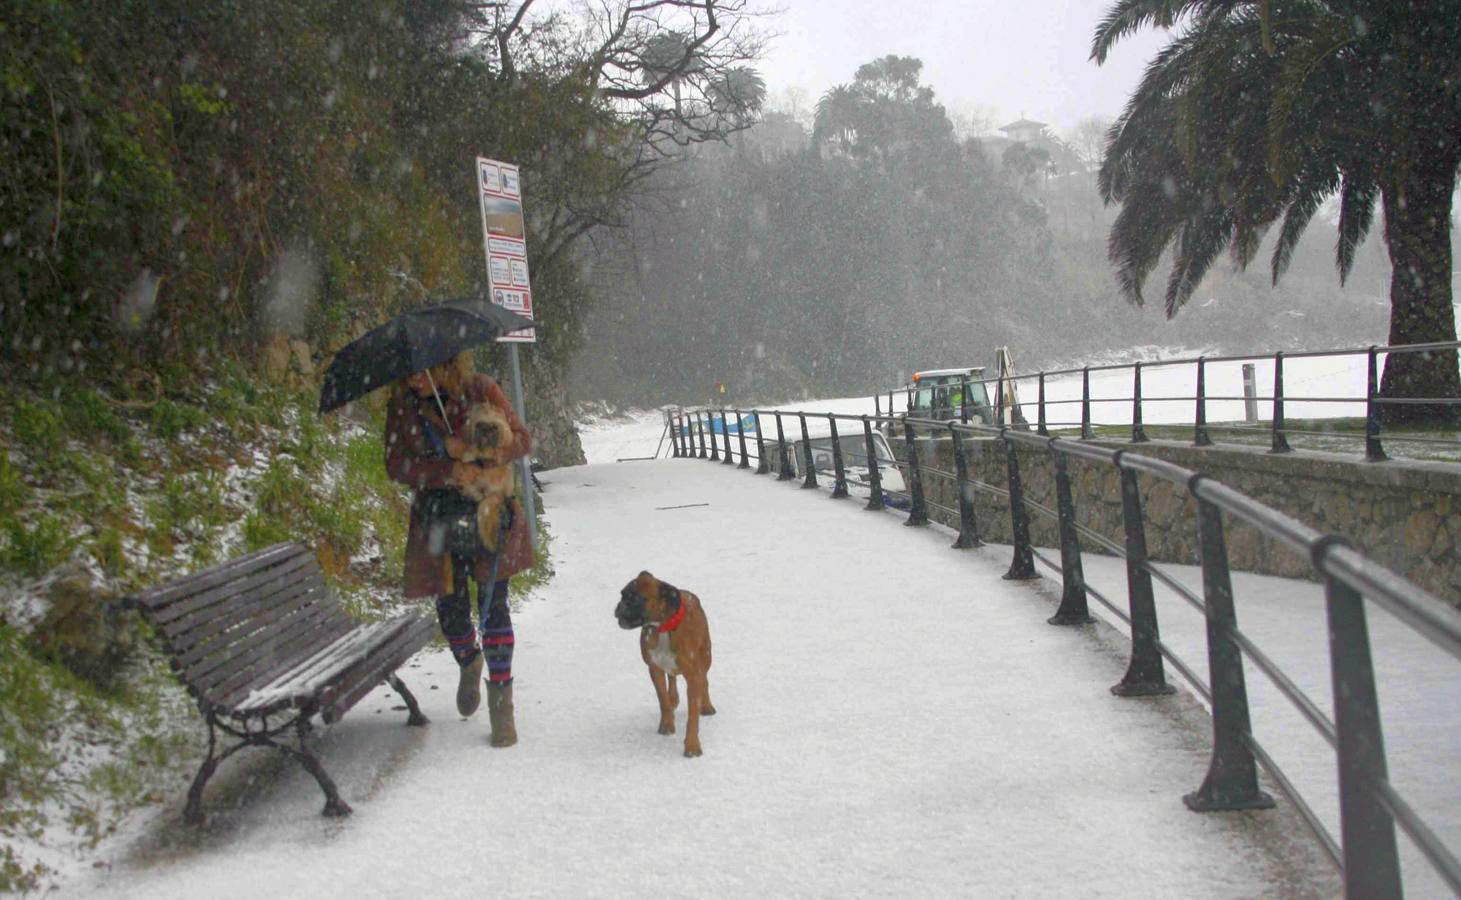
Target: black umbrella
410	342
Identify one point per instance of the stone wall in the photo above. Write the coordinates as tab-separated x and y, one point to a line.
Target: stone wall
1398	512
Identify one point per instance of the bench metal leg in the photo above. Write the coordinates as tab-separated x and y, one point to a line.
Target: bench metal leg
334	805
193	812
417	717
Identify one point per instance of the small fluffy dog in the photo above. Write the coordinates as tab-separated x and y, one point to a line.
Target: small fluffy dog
482	440
674	639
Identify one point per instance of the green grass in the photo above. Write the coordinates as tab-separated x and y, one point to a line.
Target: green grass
35	548
13	492
88	415
170	419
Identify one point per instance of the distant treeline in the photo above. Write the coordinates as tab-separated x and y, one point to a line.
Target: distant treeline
843	257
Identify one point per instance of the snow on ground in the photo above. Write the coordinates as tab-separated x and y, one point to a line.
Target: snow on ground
894	720
1286	619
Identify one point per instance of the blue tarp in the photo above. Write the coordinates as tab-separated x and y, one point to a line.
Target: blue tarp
719	425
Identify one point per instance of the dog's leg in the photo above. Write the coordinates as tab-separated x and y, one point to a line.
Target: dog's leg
696	697
706	708
674	693
666	708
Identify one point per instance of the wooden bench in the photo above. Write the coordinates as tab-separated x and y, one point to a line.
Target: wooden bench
263	645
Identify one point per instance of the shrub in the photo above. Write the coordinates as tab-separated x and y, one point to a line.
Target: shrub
38	428
109	552
33	550
170	419
88	414
87	632
261	529
13	492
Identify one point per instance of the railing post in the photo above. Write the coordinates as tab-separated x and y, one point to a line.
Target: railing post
964	399
701	428
1041	428
675	435
1145	674
1280	440
762	466
810	479
1138	433
839	488
917	508
999	400
1232	776
1374	452
714	447
875	481
741	432
1200	437
1022	564
968	527
878	405
1073	609
1086	432
725	429
1371	865
786	473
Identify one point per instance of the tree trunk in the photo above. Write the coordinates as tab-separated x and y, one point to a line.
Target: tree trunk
1418	234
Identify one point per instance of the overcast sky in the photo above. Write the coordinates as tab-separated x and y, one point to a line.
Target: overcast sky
1009	58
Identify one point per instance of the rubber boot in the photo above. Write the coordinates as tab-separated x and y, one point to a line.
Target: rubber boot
499	710
469	691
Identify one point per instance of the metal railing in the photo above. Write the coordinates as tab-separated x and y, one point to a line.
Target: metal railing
1139	407
1369	805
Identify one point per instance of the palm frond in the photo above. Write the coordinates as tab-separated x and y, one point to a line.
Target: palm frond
1200	243
1356	211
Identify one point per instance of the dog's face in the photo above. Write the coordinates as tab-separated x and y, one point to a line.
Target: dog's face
646	601
487	429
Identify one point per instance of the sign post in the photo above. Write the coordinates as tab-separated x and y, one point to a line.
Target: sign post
499	191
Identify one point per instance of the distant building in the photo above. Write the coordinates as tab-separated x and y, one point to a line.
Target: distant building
1025	131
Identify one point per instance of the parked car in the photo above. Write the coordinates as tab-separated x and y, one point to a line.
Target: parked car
853	444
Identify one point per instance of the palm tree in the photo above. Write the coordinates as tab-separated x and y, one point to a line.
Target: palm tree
1261	110
665	57
736	93
838	116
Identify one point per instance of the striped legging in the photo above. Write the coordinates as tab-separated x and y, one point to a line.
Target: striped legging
494	633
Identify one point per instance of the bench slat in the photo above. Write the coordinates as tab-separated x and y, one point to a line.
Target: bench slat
373	670
165	594
307	679
205	640
265	648
230	683
215	600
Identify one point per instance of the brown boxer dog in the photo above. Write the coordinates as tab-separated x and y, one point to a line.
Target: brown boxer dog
674	639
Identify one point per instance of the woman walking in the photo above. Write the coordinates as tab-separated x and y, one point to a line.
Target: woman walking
444	552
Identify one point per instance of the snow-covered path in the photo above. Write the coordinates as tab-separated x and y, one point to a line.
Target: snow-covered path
894	720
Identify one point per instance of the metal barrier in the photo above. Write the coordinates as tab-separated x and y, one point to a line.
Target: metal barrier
1374	435
1369	806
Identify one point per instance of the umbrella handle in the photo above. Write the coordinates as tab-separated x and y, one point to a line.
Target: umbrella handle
444	420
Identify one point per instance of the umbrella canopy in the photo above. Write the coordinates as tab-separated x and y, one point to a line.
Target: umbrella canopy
410	342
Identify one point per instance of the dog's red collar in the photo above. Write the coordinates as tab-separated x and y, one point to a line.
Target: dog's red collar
674	621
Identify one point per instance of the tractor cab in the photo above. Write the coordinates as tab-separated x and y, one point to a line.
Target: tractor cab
943	394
